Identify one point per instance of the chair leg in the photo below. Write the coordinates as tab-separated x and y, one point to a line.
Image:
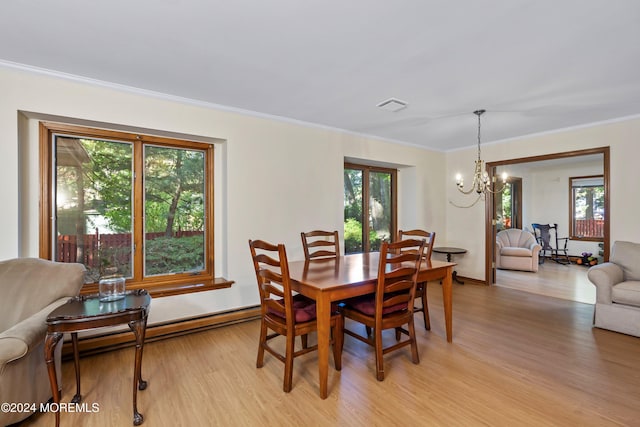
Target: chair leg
261	344
425	308
379	360
415	358
338	340
288	362
368	330
305	339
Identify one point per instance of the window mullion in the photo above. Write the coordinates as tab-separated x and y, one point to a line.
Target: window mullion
138	211
365	211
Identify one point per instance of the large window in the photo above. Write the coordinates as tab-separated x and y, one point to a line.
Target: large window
369	207
587	208
136	205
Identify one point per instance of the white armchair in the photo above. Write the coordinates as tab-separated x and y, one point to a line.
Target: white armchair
517	250
618	289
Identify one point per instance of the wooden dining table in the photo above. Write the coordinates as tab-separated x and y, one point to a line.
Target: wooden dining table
336	279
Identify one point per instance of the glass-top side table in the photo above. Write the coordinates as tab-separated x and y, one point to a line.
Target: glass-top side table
88	312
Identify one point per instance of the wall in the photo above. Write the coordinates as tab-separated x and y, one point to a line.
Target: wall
273	178
465	227
546	193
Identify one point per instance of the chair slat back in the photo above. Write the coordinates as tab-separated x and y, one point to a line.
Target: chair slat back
327	242
429	236
542	233
398	274
272	274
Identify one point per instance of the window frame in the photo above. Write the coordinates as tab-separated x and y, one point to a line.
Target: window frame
572	205
366	170
162	285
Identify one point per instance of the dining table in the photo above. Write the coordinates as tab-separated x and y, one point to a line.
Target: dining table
336	279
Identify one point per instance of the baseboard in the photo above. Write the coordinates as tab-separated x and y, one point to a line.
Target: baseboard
116	340
470	281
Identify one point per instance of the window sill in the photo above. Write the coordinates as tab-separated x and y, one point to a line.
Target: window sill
164	290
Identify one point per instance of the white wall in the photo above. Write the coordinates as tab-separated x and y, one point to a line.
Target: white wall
551	195
274	179
465	227
545	191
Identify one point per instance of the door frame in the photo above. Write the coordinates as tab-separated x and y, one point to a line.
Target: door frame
490	227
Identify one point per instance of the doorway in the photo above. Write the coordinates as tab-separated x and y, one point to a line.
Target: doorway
560	161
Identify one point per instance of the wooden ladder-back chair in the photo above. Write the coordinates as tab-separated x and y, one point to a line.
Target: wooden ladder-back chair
391	306
328	243
421	290
283	312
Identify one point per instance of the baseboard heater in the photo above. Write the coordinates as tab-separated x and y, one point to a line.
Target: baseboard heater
124	338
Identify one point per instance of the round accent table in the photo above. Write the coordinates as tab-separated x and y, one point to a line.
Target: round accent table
88	312
451	251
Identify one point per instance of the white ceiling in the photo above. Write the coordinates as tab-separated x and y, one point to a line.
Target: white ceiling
534	65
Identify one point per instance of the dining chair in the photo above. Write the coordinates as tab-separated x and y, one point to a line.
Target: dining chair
284	313
328	243
421	289
391	306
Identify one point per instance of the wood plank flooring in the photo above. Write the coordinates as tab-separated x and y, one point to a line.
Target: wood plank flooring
552	279
517	359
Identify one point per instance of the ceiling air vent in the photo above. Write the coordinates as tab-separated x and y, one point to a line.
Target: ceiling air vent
392	104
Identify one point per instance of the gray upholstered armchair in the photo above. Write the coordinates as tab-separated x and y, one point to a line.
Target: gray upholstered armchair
517	250
618	289
30	289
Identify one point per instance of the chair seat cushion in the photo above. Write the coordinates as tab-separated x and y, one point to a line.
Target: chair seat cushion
367	304
304	309
512	251
626	293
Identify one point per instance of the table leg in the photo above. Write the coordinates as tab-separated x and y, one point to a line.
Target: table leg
139	328
76	365
447	299
323	315
50	342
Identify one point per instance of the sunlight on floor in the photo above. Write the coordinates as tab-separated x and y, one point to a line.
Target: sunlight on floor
560	281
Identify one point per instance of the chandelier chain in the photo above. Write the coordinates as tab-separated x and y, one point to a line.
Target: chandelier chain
479	113
482	182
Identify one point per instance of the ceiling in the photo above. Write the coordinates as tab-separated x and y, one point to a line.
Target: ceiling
534	65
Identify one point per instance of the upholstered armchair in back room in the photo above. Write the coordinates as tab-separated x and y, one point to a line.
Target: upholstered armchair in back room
30	289
618	289
517	250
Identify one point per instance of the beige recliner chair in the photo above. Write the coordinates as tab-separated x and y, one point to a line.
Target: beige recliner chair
30	289
517	250
618	289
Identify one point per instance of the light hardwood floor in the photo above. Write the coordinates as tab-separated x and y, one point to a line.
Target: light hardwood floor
517	359
552	279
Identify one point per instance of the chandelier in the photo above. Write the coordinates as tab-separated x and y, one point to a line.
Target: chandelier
481	182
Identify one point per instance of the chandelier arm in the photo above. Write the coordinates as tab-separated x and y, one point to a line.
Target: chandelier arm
467	206
474	184
469	191
489	190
